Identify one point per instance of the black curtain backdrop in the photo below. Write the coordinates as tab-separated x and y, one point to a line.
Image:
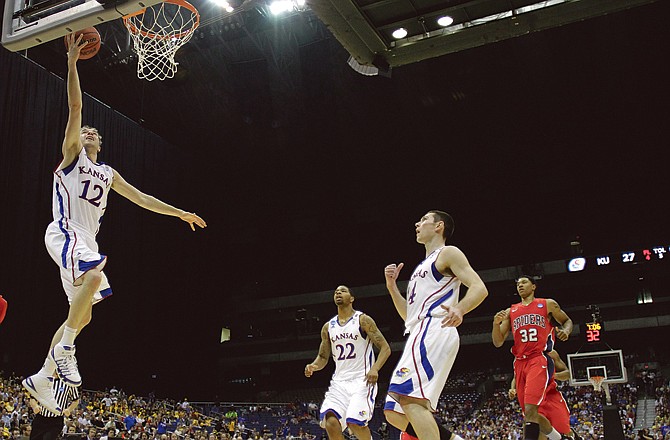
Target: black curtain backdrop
137	339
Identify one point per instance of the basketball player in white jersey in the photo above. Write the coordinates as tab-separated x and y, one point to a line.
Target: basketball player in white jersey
431	311
80	190
350	399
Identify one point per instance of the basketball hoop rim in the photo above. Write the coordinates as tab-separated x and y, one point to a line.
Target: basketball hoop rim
182	3
597	382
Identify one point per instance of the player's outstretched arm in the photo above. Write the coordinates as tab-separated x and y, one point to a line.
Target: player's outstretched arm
391	275
453	261
562	332
370	327
151	203
500	328
71	143
324	353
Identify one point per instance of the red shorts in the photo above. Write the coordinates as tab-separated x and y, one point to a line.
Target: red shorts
532	380
554	408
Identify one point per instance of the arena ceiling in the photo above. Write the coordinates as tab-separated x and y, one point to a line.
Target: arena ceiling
365	27
248	65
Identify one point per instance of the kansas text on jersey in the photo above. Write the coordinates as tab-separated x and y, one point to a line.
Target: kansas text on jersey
80	193
427	290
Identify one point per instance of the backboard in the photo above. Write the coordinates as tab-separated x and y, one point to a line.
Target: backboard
28	23
608	364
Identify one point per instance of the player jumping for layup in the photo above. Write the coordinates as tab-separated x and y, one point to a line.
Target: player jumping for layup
350	399
531	324
80	190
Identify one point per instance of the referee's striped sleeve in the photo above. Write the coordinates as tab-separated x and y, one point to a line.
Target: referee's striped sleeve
64	394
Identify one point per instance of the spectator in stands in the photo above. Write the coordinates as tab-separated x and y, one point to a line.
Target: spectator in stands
130	421
92	434
642	434
383	431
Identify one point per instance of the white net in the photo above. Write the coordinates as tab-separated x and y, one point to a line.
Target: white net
597	382
158	32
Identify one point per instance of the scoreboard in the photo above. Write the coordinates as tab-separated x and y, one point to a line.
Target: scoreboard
650	255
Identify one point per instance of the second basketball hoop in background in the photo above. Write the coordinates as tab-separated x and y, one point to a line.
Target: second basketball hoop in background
92	39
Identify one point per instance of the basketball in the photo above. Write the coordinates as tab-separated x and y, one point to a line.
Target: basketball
92	39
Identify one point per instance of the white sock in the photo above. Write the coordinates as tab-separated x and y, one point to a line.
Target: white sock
68	336
457	437
553	435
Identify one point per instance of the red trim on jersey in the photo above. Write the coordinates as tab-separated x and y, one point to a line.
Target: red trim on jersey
74	279
416	368
365	353
433	294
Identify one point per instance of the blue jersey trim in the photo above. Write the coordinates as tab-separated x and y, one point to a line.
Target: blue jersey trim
424	355
61	209
323	414
390	405
404	389
70	167
356	422
439	301
106	292
436	273
551	366
85	266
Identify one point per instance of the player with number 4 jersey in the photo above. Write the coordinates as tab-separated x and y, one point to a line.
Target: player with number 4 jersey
532	322
348	337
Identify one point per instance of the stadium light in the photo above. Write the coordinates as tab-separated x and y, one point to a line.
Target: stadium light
279	7
224	4
445	21
399	33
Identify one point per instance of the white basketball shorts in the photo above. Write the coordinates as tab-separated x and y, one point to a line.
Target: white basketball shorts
75	252
352	401
425	363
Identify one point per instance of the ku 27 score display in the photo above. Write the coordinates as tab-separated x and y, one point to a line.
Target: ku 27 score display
655	254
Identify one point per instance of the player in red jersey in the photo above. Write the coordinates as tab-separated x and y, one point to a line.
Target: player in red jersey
554	412
531	323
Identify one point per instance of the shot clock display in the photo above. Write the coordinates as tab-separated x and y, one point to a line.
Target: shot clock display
593	329
593	332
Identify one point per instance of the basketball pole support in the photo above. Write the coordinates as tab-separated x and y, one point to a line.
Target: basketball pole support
612	428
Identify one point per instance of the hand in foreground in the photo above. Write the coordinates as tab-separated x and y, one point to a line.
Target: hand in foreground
309	370
501	316
74	46
192	218
391	272
511	393
453	318
562	334
372	376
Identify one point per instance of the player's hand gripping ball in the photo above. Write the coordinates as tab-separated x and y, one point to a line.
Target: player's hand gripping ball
92	38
